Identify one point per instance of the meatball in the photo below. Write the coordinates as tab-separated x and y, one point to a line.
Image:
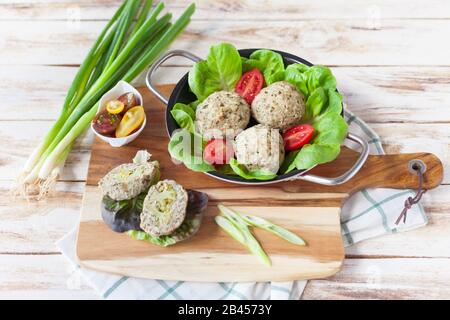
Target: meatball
222	114
260	148
279	105
164	208
129	180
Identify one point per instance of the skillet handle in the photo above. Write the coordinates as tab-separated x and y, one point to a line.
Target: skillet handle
157	64
347	175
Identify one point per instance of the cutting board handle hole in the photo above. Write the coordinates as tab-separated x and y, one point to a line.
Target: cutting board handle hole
416	165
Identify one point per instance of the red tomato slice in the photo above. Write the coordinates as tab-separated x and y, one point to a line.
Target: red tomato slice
218	151
250	85
296	137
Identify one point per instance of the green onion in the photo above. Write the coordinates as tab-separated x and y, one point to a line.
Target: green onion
273	228
72	92
230	228
236	225
238	229
122	30
121	52
162	44
42	168
142	16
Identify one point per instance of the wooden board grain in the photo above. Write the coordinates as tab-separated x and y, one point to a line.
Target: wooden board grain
211	255
309	209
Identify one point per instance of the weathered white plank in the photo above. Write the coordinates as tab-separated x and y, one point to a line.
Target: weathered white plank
50	277
41	277
320	41
34	226
396	94
385	279
19	138
32	92
235	9
377	94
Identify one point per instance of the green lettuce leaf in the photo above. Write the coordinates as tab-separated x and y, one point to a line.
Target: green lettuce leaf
334	101
187	147
243	172
323	111
186	108
331	130
226	169
314	154
295	74
184	115
307	79
197	204
320	76
193	105
220	71
183	232
316	102
268	62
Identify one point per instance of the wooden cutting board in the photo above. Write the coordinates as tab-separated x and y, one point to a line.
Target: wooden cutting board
308	209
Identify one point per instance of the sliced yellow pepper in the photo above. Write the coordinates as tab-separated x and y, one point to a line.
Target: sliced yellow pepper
132	120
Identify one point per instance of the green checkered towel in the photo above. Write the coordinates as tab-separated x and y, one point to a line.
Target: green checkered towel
368	213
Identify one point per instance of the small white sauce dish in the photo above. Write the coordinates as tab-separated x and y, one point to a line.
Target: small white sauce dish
120	88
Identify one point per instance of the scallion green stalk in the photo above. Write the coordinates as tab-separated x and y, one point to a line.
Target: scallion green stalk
142	16
273	228
239	230
264	224
121	32
162	44
122	51
91	97
74	88
236	224
42	168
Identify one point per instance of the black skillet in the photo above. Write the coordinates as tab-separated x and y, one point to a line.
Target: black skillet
181	93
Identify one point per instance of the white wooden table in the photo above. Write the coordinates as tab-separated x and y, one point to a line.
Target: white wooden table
392	61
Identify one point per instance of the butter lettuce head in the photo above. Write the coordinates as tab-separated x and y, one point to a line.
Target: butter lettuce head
222	69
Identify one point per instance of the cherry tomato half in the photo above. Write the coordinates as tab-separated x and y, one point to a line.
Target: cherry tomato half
250	85
131	121
105	122
296	137
218	151
129	101
114	106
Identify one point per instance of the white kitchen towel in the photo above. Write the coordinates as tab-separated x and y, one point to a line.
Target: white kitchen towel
368	213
